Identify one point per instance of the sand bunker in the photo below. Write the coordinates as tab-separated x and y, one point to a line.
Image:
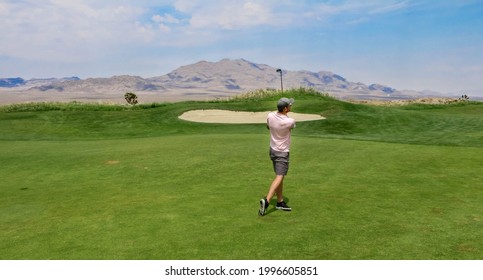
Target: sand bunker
225	116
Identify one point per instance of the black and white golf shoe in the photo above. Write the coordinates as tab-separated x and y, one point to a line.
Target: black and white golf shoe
263	206
283	206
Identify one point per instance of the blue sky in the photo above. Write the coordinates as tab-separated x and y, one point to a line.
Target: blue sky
433	44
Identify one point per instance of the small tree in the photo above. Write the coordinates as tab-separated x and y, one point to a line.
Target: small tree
131	98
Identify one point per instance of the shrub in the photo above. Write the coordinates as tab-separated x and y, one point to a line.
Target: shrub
131	98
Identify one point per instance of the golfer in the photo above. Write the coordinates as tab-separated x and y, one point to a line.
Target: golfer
280	126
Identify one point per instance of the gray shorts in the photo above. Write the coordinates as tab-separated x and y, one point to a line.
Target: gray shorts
280	161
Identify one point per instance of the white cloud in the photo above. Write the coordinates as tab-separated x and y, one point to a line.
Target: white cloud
229	14
4	9
78	29
199	23
389	7
355	8
65	30
165	21
166	18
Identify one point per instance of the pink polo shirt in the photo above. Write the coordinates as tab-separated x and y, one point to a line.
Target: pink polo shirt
280	126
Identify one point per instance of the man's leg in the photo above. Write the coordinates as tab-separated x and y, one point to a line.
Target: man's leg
279	192
281	205
276	187
280	166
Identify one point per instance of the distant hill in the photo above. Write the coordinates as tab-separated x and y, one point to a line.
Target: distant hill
48	81
19	82
11	82
115	84
242	75
215	79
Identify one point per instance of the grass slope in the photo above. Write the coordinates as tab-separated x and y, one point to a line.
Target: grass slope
109	182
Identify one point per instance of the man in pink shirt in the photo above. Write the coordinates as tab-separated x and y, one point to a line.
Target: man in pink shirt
280	126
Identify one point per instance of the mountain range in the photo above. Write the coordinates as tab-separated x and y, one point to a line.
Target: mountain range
205	80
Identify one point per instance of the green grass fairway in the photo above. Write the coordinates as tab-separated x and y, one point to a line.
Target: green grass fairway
83	181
